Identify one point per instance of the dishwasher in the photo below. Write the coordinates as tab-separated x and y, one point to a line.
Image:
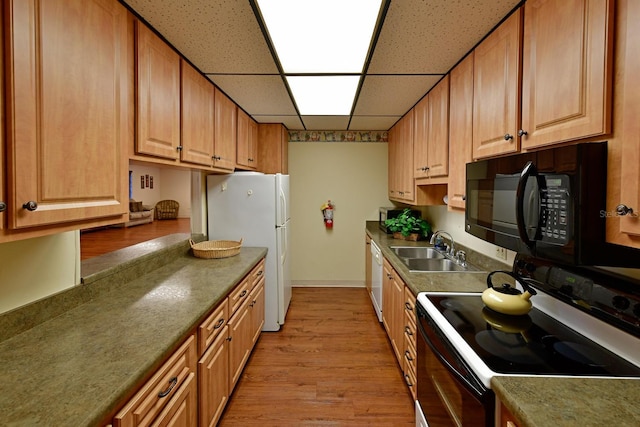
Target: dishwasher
376	279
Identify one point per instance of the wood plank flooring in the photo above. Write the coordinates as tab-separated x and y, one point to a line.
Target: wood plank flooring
100	241
330	365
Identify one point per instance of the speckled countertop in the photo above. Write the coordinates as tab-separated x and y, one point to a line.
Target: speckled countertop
77	367
534	401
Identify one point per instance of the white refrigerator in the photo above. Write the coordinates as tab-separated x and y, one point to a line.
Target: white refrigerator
254	207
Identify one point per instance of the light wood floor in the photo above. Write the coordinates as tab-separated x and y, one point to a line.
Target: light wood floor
100	241
330	365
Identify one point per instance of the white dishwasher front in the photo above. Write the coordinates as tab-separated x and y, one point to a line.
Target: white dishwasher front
376	279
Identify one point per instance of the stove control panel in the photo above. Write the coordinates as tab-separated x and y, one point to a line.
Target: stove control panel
603	294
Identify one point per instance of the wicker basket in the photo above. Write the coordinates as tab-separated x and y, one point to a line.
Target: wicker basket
215	248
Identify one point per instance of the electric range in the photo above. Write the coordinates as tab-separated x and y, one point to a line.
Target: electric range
585	322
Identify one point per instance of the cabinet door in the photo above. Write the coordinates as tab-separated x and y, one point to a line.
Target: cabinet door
247	142
460	130
273	148
257	310
197	117
438	130
239	345
406	159
158	106
67	126
213	372
3	196
625	229
392	156
224	156
567	70
421	138
496	90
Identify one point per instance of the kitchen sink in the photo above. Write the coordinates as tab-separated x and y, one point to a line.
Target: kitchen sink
417	252
436	265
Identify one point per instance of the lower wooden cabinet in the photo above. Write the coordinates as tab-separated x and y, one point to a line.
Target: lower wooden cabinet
169	397
398	318
195	383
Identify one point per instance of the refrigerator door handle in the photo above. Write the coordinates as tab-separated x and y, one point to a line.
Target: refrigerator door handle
283	207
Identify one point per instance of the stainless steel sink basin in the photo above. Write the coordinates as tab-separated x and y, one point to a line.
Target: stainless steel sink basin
417	252
436	265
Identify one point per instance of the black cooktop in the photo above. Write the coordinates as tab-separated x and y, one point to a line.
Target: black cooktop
530	344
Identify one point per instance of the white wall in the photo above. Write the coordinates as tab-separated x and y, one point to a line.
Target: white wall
36	268
168	183
354	177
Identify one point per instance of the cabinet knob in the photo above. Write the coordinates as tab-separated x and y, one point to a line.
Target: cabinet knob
522	132
508	137
3	206
30	206
622	210
179	148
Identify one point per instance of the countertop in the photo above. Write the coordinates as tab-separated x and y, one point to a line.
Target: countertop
77	367
534	401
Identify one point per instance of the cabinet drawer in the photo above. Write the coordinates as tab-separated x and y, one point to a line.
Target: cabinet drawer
155	395
240	294
210	328
256	274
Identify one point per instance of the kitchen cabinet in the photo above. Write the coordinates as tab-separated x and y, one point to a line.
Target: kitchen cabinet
401	183
66	143
3	195
409	334
392	311
431	135
169	397
567	70
273	148
225	128
624	161
246	157
460	130
496	90
256	303
158	96
368	260
197	104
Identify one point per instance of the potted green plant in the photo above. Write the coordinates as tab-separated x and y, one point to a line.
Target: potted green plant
408	227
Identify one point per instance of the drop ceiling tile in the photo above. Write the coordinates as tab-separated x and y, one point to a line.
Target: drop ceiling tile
430	36
392	95
257	94
291	122
217	36
372	122
325	122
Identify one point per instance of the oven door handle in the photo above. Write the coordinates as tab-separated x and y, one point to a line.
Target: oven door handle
478	391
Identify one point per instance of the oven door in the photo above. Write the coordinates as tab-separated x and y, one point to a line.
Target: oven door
449	394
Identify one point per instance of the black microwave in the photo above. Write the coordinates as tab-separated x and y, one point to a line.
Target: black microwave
549	204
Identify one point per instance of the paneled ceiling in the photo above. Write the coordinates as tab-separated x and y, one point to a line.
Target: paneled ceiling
419	41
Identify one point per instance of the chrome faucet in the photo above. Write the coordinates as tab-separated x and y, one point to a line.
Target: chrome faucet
452	249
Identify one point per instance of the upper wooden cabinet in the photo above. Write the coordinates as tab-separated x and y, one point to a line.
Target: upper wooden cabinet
496	90
273	148
401	166
67	113
158	96
431	135
460	130
224	149
567	70
247	155
3	194
197	106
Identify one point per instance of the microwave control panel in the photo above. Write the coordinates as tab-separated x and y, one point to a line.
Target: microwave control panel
555	209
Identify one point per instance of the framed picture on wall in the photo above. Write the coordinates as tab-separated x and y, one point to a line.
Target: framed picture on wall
146	182
142	181
151	181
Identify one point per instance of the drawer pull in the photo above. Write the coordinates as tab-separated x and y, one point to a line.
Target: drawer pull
407	330
172	383
260	273
408	380
408	306
407	355
242	295
219	324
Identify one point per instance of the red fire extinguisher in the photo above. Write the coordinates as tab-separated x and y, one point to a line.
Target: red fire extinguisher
327	214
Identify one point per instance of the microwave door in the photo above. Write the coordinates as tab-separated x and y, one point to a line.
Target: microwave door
528	205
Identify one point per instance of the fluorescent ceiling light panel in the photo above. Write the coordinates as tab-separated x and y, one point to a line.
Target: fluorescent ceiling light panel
324	95
321	36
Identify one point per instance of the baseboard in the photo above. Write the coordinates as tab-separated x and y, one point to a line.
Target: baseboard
328	284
